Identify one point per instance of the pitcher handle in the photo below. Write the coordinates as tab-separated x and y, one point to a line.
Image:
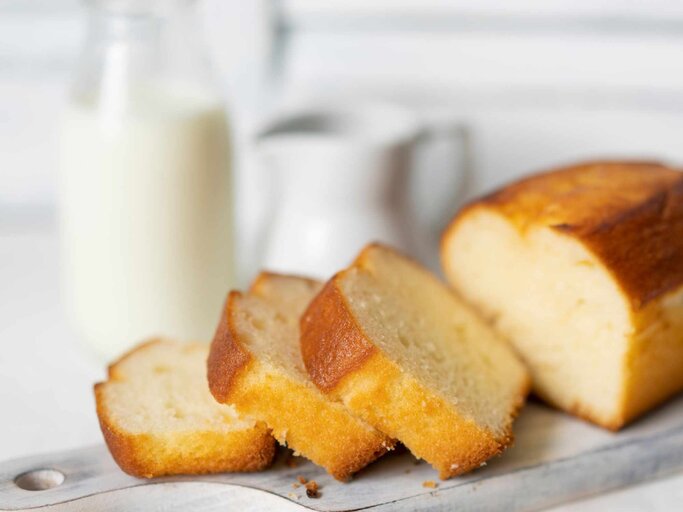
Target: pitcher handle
450	173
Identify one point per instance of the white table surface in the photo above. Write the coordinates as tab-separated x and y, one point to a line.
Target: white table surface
46	377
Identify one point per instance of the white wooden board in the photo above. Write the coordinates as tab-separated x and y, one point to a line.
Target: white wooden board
556	459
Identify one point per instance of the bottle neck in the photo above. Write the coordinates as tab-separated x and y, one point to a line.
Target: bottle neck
138	20
135	44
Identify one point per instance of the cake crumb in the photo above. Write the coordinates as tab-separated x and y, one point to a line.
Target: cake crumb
430	484
291	462
293	496
296	485
312	489
301	479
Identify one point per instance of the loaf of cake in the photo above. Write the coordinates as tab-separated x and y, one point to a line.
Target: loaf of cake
399	349
255	364
158	417
581	268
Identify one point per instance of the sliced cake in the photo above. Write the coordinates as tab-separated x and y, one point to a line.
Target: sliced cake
581	268
399	349
255	364
158	417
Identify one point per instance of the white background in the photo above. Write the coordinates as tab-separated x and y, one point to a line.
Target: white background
538	82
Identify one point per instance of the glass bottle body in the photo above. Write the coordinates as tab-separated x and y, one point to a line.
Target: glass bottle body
146	200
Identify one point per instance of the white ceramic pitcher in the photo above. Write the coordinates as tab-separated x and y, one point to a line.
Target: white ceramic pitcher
341	177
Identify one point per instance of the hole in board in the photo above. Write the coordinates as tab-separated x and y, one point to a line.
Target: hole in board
39	479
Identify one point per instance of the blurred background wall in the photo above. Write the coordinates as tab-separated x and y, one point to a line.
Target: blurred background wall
537	82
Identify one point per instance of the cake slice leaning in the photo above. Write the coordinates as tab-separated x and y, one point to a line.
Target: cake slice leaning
255	364
158	417
393	343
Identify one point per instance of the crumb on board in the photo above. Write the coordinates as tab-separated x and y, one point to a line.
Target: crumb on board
293	496
296	485
312	489
431	484
301	479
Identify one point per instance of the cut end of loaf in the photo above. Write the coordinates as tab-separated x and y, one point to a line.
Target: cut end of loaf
568	319
579	268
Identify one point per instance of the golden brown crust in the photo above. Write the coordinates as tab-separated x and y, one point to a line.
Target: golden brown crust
309	423
629	214
113	368
227	357
344	363
395	403
332	343
262	279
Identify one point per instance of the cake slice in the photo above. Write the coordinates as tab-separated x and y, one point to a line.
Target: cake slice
158	417
581	268
393	343
255	364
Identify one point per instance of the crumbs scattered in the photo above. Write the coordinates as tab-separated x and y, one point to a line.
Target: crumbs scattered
293	496
312	489
301	479
431	484
295	485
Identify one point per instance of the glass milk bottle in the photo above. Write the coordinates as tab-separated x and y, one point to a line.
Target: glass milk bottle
146	200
